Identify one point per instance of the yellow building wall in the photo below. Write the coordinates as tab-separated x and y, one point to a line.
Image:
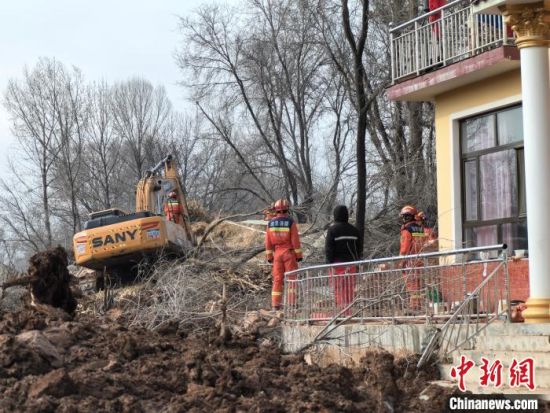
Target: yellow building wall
449	107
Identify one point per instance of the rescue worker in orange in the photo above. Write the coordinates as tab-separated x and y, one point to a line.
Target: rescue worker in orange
431	235
413	239
173	209
282	248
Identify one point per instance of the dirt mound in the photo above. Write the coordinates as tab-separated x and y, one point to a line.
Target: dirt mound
197	212
51	278
238	235
199	228
229	235
92	364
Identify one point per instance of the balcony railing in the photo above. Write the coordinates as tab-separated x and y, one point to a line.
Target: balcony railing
444	36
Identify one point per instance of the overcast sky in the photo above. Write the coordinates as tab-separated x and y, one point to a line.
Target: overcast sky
106	39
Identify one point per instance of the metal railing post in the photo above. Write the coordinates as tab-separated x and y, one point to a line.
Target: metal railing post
443	38
285	292
308	306
464	280
392	56
361	289
507	286
473	33
416	48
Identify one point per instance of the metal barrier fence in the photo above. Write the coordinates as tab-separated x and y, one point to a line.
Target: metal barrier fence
443	36
433	285
488	302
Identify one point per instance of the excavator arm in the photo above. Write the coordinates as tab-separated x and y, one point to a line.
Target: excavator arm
153	189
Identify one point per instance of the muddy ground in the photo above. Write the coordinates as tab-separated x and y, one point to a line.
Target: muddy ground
95	362
92	364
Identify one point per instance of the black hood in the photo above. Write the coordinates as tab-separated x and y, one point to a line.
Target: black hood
341	213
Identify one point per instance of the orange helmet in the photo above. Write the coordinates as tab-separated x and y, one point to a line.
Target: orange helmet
420	216
172	195
408	210
281	205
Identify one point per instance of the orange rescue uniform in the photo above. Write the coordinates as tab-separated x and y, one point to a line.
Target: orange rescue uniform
282	247
173	211
413	241
413	238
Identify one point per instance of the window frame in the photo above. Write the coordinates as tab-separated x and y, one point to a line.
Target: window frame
475	156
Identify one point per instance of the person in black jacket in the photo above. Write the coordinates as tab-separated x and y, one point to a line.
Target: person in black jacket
343	244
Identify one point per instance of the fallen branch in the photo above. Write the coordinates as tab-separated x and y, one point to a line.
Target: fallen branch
247	227
26	280
247	257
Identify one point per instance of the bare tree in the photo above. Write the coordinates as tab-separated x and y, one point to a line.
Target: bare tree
204	163
265	92
30	103
71	116
102	152
139	114
393	140
9	253
19	216
350	64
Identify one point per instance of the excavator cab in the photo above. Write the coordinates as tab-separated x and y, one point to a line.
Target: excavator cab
115	240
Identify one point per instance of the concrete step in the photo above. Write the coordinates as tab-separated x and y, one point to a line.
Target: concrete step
499	328
517	343
541	359
471	381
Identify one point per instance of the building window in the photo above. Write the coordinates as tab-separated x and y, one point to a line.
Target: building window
493	179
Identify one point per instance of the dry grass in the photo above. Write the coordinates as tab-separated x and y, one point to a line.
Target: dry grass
197	212
230	236
198	228
190	294
174	293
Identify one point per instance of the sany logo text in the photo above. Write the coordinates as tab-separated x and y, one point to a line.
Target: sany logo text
110	239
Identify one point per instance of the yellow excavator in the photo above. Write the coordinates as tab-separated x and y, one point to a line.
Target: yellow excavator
117	242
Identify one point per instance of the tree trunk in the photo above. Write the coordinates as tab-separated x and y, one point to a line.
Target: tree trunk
46	206
360	147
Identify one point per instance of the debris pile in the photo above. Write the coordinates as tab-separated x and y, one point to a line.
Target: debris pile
190	294
51	279
92	364
49	282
